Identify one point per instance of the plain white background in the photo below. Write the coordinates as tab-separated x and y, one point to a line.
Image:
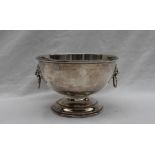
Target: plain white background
103	139
131	102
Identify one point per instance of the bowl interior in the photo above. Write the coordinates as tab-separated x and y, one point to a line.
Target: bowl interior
77	58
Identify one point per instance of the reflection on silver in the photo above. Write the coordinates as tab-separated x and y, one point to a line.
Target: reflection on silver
67	110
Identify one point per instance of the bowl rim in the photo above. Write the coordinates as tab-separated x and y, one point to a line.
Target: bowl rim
106	58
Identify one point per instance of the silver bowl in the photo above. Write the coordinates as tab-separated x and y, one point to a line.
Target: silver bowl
77	76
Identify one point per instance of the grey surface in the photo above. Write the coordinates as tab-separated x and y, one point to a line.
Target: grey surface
132	102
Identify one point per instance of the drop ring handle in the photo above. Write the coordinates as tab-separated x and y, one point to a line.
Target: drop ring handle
115	74
38	75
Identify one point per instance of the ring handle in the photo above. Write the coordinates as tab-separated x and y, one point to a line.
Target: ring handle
38	75
115	81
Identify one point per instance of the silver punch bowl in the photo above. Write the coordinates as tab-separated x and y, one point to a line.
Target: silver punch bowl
77	76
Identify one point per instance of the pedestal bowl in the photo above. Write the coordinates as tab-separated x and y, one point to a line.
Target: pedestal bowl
77	76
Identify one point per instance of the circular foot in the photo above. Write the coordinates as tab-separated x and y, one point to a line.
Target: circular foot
77	108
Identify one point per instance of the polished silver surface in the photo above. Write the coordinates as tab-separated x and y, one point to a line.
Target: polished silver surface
77	76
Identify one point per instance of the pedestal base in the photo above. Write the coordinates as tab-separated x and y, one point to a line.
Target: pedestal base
77	108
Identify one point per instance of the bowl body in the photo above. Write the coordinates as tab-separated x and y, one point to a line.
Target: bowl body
77	75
